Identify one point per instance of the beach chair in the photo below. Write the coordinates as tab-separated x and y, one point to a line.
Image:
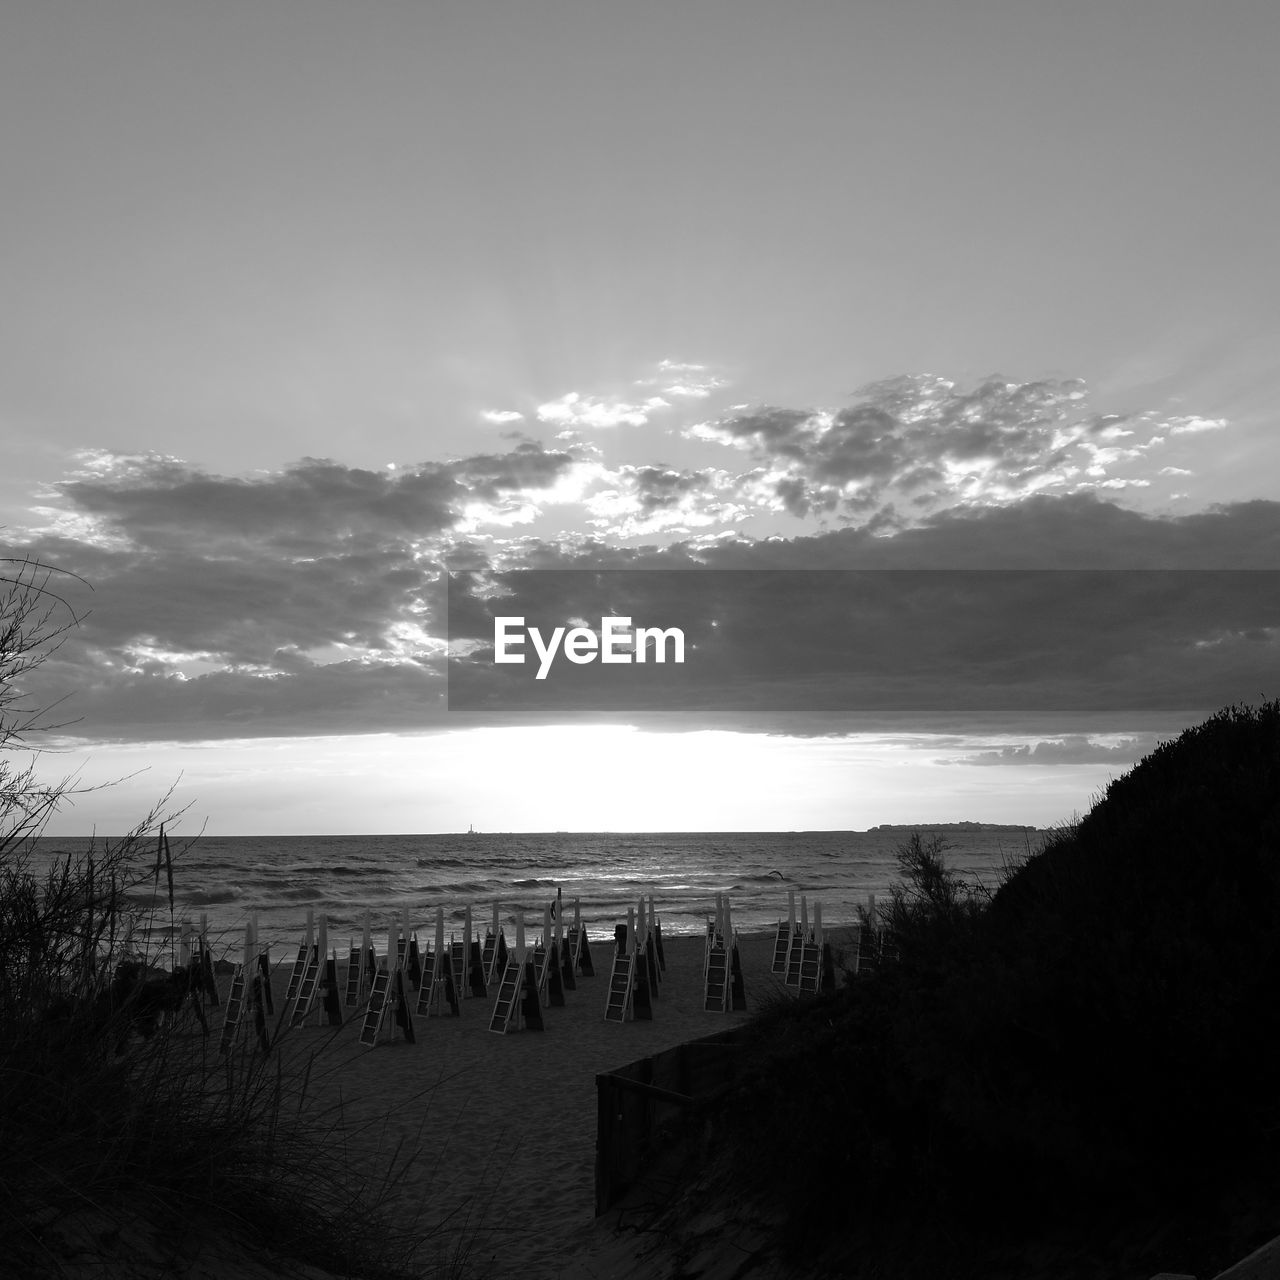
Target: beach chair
307	988
621	1002
376	1009
781	946
531	1005
264	979
329	988
540	958
261	990
202	968
476	971
506	1006
400	1003
235	997
301	960
314	975
235	1004
716	976
431	991
352	996
458	965
415	963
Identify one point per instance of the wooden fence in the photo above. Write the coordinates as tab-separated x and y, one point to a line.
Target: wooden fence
636	1103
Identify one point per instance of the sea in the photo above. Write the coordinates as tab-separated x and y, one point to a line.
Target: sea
225	881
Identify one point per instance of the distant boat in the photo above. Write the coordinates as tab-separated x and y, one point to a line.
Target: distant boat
471	831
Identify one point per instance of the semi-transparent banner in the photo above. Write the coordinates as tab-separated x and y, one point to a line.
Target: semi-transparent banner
873	640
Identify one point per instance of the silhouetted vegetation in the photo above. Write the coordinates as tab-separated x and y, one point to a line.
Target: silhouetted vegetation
114	1103
1086	1063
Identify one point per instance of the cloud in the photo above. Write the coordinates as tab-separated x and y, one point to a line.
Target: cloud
915	445
1194	425
670	381
286	600
689	381
308	599
1071	749
333	698
574	410
1075	532
312	504
184	642
502	415
643	501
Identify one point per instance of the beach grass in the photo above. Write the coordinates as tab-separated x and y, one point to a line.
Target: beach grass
111	1104
116	1105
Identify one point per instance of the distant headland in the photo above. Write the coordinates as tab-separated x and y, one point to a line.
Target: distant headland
951	826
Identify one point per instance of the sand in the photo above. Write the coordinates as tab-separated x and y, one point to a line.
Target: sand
502	1128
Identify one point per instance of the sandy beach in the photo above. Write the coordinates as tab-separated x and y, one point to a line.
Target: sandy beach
502	1128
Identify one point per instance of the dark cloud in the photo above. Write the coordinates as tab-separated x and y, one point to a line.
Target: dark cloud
493	476
1075	532
923	441
790	433
309	600
292	602
348	697
312	501
661	488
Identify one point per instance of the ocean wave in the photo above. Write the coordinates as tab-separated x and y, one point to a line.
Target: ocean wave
280	878
211	897
464	888
302	893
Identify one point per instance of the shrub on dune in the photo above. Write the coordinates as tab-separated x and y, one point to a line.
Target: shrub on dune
1099	1037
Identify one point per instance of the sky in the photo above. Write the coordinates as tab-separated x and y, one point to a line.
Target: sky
307	305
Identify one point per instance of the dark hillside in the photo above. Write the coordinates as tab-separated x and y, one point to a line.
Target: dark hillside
1087	1062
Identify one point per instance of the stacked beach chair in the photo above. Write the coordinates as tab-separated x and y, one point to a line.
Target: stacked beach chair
870	946
578	945
438	982
389	991
518	1002
493	954
638	962
723	986
199	961
249	996
620	1004
532	978
801	955
313	981
362	964
250	993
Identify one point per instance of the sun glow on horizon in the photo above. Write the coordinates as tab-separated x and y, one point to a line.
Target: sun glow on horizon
586	777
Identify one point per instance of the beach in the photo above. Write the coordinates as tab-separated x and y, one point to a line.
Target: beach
502	1128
